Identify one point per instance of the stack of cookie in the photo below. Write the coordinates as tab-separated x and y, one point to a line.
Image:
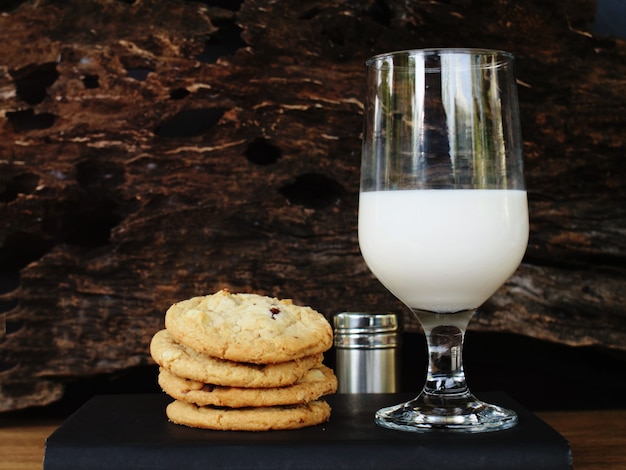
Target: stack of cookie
244	362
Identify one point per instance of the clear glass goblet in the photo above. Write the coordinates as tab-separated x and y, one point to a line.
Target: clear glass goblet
443	213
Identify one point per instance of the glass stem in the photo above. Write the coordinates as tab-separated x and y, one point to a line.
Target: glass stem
445	334
445	402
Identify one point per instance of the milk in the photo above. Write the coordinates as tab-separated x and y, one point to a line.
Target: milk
443	250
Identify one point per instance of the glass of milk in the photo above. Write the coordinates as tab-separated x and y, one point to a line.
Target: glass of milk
443	213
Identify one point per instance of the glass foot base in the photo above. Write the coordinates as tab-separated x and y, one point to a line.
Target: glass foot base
457	414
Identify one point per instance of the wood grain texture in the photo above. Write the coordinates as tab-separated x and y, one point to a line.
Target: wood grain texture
596	437
155	150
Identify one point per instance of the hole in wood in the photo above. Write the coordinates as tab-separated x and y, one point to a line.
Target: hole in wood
381	13
313	190
25	183
91	81
137	67
10	5
140	73
32	81
4	366
310	13
179	93
95	174
13	326
261	152
19	250
26	120
225	42
5	306
232	5
190	122
88	224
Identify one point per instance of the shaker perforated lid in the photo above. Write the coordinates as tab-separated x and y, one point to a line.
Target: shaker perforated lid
365	330
366	322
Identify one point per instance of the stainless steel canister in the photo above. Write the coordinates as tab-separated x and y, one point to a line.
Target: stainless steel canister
366	345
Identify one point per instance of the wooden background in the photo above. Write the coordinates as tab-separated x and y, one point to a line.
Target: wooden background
153	150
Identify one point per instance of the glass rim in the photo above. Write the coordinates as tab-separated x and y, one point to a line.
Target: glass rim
503	57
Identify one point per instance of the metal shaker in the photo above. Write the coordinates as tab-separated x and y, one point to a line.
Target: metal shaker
366	345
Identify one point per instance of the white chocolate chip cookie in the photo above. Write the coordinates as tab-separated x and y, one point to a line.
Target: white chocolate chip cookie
248	327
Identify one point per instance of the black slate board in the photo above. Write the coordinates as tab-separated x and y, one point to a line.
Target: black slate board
132	432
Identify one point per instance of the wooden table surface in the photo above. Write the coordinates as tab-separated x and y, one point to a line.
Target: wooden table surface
598	438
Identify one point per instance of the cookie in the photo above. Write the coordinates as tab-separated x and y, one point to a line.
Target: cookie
249	419
315	383
248	327
185	362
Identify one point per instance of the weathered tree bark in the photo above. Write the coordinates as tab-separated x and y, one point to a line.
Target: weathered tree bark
155	150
